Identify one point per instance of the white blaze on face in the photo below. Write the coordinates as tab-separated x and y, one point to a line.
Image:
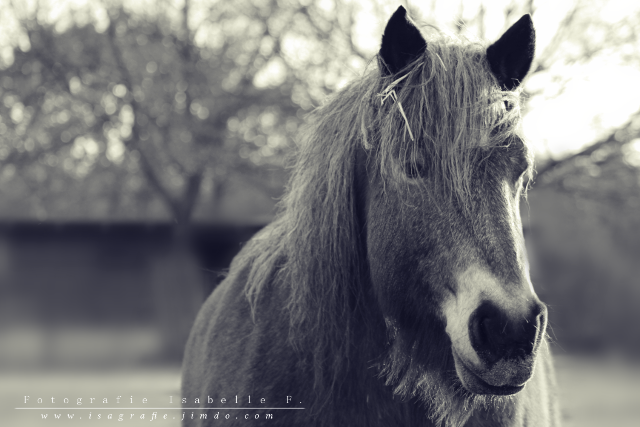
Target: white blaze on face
475	285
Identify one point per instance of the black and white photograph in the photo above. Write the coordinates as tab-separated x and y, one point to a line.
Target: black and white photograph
328	213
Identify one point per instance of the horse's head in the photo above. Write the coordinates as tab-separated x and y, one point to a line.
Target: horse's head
445	168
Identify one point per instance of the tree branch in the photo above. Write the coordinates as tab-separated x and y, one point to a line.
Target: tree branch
147	168
587	151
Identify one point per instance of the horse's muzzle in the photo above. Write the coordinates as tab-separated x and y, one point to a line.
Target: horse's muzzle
494	381
496	335
506	349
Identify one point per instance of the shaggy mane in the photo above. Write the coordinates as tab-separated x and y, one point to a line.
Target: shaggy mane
456	113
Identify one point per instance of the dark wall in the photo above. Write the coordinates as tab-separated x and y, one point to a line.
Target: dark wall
98	273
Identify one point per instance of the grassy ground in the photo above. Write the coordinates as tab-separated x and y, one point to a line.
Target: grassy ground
156	385
594	392
599	393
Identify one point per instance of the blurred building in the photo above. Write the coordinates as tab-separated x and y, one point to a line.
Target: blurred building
97	278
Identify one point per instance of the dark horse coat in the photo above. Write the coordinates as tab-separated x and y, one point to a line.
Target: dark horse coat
392	289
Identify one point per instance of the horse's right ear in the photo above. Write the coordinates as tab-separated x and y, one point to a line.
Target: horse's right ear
402	43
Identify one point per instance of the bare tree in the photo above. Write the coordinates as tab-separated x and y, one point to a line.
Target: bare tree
151	104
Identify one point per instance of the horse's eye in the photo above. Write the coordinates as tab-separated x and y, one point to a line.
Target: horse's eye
415	170
520	166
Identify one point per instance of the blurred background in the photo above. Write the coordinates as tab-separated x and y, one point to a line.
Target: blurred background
142	142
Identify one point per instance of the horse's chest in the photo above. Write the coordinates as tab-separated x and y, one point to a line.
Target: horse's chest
384	410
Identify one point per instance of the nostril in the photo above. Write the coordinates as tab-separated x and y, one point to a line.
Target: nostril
540	324
490	327
487	328
480	332
495	336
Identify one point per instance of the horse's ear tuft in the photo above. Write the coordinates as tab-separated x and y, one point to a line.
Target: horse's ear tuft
402	43
511	56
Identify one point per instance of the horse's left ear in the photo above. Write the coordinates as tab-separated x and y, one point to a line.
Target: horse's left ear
402	43
511	56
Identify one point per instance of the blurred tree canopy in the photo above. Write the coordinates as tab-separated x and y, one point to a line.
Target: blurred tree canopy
157	110
145	111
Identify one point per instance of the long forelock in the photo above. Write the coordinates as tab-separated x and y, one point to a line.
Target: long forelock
452	106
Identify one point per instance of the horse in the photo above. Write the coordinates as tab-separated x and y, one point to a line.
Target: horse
392	288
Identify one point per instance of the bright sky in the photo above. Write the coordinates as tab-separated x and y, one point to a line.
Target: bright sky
598	98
